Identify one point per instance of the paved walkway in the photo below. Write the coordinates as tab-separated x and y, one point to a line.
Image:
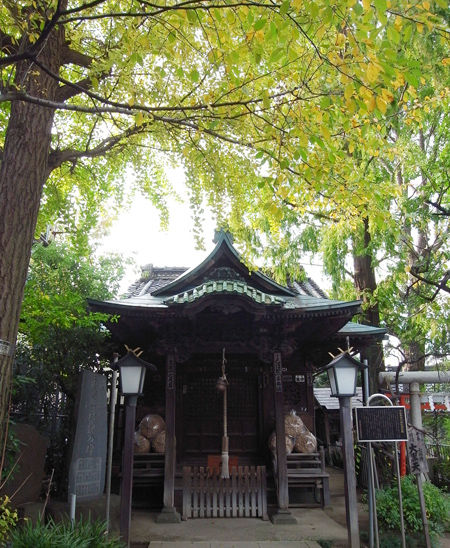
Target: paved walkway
263	544
313	524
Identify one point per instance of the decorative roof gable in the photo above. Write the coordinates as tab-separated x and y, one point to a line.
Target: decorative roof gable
223	263
222	286
222	274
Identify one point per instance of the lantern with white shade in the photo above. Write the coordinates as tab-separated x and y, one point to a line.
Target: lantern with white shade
342	374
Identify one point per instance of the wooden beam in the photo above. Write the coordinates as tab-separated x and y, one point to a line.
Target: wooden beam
283	515
169	513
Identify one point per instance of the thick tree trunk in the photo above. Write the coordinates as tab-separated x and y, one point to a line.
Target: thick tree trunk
366	284
23	172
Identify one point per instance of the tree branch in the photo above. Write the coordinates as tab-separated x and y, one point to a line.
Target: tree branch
58	157
73	88
315	214
439	285
193	5
180	122
32	51
179	108
125	108
71	56
444	212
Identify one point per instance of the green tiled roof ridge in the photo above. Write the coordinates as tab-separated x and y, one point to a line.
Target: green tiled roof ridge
224	286
224	248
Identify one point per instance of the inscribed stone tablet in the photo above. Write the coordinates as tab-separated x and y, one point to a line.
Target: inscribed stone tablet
87	467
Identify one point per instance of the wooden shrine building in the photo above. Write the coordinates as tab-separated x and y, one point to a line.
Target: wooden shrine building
274	337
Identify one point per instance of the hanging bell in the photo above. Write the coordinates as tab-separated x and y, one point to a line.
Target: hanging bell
221	384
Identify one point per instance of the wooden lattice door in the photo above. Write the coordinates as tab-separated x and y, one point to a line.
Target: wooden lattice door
201	406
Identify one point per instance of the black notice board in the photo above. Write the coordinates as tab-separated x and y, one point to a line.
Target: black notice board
381	423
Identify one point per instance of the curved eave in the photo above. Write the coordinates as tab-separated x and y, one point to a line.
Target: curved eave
145	307
355	330
117	307
344	309
223	245
314	304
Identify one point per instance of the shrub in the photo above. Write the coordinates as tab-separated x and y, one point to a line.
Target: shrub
8	519
84	534
436	502
441	473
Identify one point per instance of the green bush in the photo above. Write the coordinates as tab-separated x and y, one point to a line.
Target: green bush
441	473
8	519
84	534
436	502
394	540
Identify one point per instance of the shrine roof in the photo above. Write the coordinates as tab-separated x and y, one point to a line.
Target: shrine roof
224	262
355	329
325	399
153	278
223	272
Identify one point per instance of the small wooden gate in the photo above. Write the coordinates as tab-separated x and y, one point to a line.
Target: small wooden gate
207	495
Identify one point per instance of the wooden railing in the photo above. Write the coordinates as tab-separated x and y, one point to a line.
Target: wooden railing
308	470
207	495
148	469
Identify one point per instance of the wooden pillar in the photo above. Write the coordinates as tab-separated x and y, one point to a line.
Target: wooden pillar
168	513
326	421
282	515
351	501
126	491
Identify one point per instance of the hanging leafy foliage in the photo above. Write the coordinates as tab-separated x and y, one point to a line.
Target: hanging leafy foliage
295	97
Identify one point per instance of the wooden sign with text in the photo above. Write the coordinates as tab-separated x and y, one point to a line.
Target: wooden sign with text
417	452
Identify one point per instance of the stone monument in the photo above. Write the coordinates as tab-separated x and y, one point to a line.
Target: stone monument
87	466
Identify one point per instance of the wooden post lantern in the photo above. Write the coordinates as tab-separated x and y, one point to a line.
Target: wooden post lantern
132	374
342	374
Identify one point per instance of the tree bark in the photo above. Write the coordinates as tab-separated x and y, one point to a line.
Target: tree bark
23	173
366	284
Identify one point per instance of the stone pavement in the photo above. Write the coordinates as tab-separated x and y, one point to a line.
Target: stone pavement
263	544
313	525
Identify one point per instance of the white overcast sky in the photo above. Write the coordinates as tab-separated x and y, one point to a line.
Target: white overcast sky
137	234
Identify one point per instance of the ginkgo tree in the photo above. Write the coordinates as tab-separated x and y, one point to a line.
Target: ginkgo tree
387	244
88	88
394	255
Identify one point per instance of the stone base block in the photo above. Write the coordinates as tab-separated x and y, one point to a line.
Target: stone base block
168	515
283	517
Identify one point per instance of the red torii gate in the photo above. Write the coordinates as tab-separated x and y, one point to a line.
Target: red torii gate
442	404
